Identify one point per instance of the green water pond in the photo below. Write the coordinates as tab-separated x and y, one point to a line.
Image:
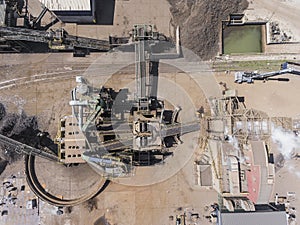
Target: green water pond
242	39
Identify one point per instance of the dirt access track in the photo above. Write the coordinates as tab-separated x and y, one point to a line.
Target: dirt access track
43	89
152	204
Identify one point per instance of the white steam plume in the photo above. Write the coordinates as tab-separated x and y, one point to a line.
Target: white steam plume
288	143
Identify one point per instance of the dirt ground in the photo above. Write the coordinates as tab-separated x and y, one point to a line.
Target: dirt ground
199	21
271	96
150	204
158	199
285	12
157	203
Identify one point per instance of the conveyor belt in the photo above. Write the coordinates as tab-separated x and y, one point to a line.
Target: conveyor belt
33	181
180	129
37	188
166	131
26	149
40	36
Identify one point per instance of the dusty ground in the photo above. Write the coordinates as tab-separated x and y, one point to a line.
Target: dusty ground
198	20
155	203
285	13
128	13
152	204
271	97
119	204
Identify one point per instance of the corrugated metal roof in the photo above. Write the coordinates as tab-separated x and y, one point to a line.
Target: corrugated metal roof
259	153
68	5
260	158
255	218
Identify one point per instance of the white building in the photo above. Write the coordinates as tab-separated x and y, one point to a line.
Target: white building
73	11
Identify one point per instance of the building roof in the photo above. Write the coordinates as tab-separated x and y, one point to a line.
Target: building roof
67	5
265	173
254	218
205	175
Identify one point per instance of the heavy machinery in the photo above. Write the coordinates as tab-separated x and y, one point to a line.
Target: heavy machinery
113	132
249	77
21	31
20	148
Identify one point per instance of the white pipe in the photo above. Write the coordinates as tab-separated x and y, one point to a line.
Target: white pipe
80	117
79	103
178	49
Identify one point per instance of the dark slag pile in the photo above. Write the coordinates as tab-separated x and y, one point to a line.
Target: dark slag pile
19	127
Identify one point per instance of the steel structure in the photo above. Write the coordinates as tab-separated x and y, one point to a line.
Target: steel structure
90	131
30	155
230	117
23	32
55	40
20	148
122	133
249	77
42	193
236	146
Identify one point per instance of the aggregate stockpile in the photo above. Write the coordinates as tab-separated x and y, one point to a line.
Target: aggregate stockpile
200	22
24	129
19	127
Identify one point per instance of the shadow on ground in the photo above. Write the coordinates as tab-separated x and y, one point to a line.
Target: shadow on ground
105	10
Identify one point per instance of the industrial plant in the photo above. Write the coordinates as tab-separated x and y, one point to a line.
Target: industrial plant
133	112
